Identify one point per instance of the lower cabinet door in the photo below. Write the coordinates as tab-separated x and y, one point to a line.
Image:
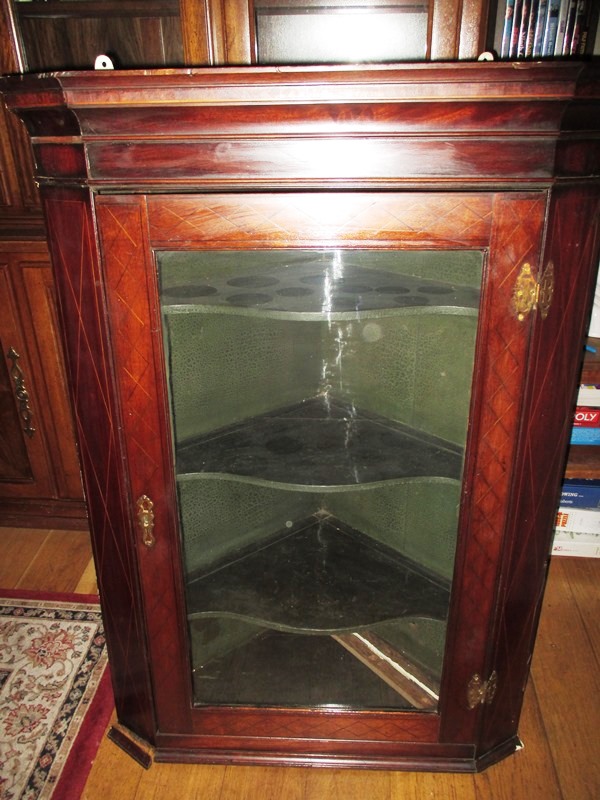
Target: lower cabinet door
40	480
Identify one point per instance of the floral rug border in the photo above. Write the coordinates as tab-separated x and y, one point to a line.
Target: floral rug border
87	730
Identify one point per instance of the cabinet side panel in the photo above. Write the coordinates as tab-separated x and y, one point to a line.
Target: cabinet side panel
134	320
554	362
75	260
500	374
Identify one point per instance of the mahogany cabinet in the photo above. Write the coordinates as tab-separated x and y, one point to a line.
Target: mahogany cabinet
323	329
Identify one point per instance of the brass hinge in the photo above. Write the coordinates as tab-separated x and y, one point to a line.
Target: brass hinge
530	294
480	692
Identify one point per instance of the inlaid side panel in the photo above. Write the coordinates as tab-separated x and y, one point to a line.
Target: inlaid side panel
75	258
131	297
572	250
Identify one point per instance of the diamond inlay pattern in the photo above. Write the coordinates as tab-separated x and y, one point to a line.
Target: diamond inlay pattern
392	727
292	219
129	288
571	251
72	243
515	239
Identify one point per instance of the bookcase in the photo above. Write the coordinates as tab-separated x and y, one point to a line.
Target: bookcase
312	319
545	28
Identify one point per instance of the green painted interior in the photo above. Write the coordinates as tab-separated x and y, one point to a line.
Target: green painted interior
227	364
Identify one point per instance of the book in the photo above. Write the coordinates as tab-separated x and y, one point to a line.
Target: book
507	29
586	425
578	40
540	24
516	29
551	27
523	28
580	493
574	547
533	15
563	14
588	395
578	520
586	417
570	27
585	436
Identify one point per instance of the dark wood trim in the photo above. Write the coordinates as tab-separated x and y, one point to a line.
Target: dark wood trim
92	8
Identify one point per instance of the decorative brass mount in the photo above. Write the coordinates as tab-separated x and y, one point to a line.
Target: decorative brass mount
21	392
530	293
145	516
481	692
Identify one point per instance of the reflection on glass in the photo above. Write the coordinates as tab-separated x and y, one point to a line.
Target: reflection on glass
299	32
319	405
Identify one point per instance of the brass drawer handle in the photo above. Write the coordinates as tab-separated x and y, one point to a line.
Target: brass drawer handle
21	392
145	515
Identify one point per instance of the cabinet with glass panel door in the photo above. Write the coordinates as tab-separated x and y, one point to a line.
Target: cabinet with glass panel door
312	318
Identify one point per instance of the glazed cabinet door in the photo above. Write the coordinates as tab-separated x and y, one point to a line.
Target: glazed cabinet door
319	397
316	31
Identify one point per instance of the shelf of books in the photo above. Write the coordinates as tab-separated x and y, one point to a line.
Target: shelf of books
546	28
578	518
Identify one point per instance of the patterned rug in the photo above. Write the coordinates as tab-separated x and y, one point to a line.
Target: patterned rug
55	694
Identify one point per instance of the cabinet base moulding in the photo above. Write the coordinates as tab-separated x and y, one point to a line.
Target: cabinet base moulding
56	514
403	758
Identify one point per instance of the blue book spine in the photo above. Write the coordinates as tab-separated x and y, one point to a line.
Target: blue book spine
507	30
516	28
540	26
585	435
580	494
551	27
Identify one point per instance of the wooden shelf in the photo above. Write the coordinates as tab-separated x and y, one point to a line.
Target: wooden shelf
590	371
93	8
324	577
583	461
322	445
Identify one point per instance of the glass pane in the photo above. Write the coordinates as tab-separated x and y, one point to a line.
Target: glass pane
319	403
351	33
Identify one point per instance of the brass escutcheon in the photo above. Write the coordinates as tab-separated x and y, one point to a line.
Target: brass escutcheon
145	516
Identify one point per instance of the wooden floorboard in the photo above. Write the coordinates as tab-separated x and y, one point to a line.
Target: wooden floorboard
560	724
18	548
567	681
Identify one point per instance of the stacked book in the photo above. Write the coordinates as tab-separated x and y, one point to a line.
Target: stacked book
546	28
586	421
577	531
